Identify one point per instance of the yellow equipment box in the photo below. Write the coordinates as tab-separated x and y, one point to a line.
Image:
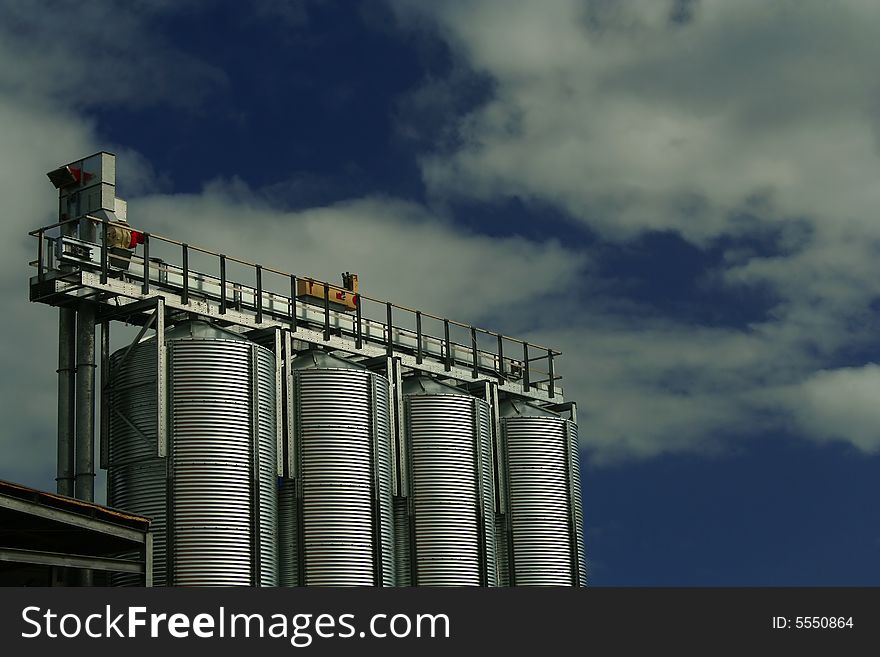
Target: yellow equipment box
345	296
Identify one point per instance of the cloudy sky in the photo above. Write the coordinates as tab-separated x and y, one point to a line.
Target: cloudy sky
681	195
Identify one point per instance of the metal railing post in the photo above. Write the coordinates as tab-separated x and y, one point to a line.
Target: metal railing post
145	287
418	337
103	252
358	329
41	273
293	303
389	347
447	361
476	362
500	359
222	284
526	384
326	312
184	298
259	293
552	389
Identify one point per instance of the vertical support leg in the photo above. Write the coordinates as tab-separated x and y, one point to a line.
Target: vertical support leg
288	449
161	382
497	450
148	559
400	474
279	401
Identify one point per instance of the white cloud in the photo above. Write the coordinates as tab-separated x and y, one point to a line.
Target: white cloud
36	142
58	60
400	251
838	405
88	53
748	119
627	122
435	265
631	123
662	387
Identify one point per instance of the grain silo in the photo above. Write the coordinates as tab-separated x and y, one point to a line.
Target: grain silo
336	519
451	508
397	466
212	498
545	521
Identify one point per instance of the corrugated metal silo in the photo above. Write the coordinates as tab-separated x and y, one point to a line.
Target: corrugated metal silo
342	516
450	467
137	478
213	498
544	496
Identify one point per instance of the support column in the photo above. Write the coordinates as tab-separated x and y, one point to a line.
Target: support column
85	387
85	404
66	389
66	397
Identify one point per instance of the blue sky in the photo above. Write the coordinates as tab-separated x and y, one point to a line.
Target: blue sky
680	195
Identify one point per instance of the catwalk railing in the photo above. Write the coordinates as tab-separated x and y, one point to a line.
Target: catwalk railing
165	266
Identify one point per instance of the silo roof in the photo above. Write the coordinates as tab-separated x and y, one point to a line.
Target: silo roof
200	330
424	385
517	408
315	359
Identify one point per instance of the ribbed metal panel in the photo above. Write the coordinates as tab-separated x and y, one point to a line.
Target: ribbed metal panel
288	568
267	447
453	504
401	541
211	450
487	461
342	439
213	500
133	402
137	478
383	474
574	447
545	505
142	486
501	552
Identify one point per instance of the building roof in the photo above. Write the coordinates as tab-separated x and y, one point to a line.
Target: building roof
72	505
